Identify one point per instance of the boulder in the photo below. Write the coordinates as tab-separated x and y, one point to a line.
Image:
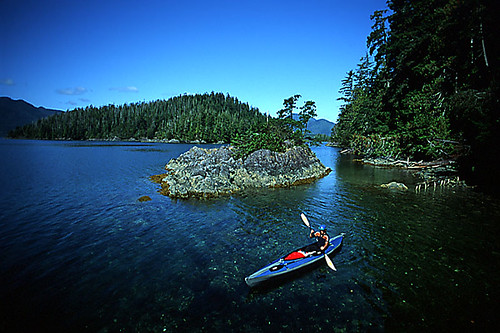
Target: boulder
212	172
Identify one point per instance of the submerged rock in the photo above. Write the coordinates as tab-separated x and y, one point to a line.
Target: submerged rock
144	198
212	172
395	186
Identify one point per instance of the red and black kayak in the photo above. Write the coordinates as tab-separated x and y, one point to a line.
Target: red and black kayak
291	262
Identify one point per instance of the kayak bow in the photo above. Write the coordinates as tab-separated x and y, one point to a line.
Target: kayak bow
291	262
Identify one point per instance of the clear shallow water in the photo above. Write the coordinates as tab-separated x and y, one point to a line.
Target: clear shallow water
78	251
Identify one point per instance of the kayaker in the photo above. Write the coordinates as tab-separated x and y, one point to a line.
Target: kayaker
322	241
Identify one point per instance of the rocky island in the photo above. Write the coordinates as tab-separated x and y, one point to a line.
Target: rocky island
206	173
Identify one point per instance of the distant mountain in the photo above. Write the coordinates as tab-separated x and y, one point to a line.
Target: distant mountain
18	112
318	126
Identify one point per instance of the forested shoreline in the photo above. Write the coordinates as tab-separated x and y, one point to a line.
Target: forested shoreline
213	117
427	88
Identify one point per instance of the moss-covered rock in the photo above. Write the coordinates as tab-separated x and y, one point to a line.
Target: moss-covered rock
144	198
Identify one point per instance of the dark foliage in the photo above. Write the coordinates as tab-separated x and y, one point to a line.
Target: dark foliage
277	134
429	78
209	117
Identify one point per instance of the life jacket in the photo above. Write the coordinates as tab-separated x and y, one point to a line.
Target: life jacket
321	240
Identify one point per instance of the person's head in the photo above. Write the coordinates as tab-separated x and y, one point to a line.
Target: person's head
322	228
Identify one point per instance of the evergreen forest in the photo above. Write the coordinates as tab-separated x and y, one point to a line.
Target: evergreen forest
211	117
207	118
427	88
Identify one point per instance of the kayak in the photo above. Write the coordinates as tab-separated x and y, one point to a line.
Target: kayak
291	262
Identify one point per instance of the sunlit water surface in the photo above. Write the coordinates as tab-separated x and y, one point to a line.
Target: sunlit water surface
79	252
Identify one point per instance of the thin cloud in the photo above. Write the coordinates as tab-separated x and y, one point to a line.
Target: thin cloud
72	91
80	101
125	89
7	82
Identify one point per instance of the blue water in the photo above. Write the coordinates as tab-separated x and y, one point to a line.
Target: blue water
79	252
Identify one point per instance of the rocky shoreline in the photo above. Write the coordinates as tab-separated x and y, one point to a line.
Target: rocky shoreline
442	173
207	173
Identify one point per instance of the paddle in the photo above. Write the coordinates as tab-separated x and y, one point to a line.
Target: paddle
305	220
329	262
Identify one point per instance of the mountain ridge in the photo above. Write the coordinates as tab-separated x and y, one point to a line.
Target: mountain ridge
18	112
317	126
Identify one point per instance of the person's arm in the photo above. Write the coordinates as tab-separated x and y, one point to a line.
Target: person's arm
327	241
311	234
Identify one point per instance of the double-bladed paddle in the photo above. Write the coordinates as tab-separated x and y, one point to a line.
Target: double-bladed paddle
329	262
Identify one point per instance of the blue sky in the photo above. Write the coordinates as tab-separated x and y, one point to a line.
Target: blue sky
67	54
